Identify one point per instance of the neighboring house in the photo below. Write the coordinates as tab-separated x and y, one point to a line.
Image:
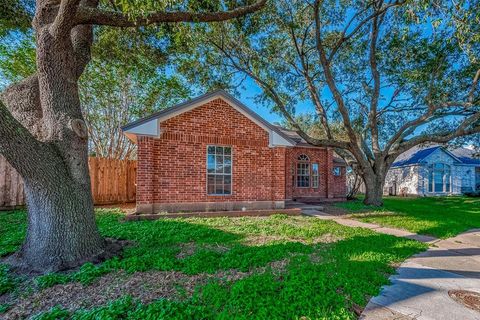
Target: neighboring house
214	153
434	170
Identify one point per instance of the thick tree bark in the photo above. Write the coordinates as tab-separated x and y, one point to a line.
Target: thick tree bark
373	189
62	233
374	179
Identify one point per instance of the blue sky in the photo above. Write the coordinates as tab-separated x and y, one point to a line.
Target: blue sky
247	97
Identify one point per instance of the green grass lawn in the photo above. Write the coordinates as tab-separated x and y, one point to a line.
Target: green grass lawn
441	217
277	267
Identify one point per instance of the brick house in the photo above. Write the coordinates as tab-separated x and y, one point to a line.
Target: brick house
213	153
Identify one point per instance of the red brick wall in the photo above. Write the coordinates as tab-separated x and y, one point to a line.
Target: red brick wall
316	155
329	186
340	184
172	169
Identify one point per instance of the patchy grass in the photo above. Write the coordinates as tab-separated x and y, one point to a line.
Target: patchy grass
215	268
442	217
7	281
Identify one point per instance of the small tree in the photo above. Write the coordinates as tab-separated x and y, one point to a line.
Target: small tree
395	74
43	133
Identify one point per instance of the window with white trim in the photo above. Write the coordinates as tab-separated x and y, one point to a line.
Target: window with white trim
219	170
315	175
303	171
439	178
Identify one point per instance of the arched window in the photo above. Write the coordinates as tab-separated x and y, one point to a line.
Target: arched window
439	178
303	171
303	157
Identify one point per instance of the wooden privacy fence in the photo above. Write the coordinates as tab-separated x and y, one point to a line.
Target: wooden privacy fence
11	186
113	181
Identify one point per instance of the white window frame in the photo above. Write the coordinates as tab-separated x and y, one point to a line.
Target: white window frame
219	174
308	167
432	172
315	176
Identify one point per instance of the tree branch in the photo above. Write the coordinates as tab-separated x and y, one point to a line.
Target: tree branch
23	101
64	20
329	78
471	94
23	98
82	39
372	115
18	144
469	126
344	38
310	84
117	19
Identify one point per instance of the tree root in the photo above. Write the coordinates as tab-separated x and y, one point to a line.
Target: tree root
18	265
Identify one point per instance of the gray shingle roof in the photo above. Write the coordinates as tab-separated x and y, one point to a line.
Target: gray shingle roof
293	135
417	154
467	156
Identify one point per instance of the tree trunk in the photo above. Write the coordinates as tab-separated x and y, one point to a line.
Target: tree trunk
374	183
61	233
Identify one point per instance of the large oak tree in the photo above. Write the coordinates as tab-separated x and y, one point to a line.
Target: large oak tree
126	78
43	133
394	74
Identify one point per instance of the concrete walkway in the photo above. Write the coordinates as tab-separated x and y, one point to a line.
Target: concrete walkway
426	284
355	223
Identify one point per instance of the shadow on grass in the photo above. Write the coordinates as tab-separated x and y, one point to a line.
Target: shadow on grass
317	281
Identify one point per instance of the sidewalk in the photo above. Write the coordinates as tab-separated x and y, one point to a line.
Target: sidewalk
358	224
442	283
